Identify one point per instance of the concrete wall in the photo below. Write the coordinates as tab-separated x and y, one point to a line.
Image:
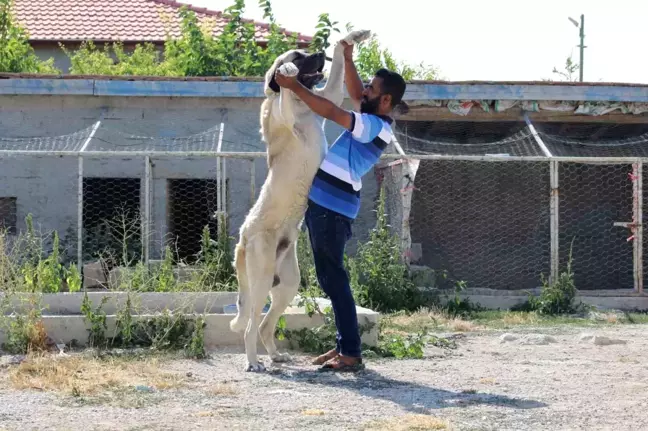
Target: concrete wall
47	186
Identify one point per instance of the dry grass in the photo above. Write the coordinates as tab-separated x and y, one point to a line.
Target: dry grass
89	376
313	412
223	390
519	318
409	422
426	319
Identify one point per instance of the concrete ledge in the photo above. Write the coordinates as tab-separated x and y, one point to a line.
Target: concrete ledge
64	323
621	299
148	302
68	329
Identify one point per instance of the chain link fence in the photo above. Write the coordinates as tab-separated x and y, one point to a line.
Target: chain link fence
493	211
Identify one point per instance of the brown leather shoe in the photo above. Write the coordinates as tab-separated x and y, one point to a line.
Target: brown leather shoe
322	359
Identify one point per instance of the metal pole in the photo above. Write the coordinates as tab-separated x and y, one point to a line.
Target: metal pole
80	217
582	46
146	222
224	188
80	199
638	226
219	179
554	220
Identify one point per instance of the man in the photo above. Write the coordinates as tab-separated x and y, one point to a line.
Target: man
334	198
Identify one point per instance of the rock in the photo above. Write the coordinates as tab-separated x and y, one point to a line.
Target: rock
600	340
537	339
508	338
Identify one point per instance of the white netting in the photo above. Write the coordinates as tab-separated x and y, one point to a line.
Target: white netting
71	142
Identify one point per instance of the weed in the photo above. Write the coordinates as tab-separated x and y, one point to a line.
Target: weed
379	277
556	297
96	318
24	333
196	347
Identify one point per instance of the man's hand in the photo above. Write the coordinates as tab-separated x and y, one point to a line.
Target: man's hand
347	50
286	76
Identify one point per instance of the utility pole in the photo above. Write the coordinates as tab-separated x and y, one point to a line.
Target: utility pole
582	46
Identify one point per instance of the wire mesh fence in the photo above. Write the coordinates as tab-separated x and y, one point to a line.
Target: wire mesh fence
489	207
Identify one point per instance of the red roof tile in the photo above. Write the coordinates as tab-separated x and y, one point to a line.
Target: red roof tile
114	20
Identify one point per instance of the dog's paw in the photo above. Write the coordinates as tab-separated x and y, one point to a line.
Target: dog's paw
237	325
289	69
255	368
357	36
281	357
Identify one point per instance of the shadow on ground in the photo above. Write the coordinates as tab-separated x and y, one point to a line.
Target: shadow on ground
413	397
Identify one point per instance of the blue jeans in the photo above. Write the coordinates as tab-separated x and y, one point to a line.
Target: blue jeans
329	232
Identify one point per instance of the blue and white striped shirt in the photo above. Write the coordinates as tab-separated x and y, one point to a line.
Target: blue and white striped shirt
338	181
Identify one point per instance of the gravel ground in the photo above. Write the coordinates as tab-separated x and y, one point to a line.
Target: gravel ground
484	384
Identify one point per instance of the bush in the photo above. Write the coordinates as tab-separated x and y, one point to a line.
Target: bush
379	277
556	297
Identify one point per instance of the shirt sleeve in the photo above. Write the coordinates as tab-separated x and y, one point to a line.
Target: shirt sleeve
365	127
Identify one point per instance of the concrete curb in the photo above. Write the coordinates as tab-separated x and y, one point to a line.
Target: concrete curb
617	299
64	323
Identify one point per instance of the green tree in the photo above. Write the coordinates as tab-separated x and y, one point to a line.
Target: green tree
16	55
235	52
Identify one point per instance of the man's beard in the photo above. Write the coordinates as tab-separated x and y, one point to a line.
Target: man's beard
369	106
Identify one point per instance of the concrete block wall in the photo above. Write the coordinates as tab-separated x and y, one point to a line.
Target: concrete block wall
46	186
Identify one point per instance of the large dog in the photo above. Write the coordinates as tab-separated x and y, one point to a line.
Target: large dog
266	254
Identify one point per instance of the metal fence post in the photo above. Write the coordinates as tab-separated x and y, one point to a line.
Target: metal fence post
146	222
80	199
637	217
554	201
80	216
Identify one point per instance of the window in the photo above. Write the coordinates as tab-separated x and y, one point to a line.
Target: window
111	219
8	217
192	206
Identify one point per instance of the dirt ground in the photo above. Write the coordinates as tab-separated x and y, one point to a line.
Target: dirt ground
484	384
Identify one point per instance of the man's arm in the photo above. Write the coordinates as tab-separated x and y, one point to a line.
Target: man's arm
352	79
322	106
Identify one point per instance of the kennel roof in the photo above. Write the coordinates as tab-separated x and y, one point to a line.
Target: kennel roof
569	117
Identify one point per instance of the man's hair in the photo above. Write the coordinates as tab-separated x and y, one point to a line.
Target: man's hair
392	84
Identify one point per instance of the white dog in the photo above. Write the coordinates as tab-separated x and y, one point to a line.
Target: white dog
266	254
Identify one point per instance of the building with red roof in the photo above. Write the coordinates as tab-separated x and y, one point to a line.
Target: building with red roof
50	22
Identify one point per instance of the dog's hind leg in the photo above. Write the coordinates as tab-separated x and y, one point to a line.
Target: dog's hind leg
282	295
239	323
260	265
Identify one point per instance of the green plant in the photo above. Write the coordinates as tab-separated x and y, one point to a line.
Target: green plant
324	27
24	333
16	54
379	277
402	347
196	347
96	319
73	278
215	259
556	297
125	325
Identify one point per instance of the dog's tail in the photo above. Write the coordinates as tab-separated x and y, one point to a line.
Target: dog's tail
239	323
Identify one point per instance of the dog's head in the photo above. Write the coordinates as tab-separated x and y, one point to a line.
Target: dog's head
310	69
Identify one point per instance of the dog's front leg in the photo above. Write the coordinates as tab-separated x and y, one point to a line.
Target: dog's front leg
287	97
333	90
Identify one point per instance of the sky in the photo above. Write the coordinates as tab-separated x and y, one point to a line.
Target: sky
500	40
